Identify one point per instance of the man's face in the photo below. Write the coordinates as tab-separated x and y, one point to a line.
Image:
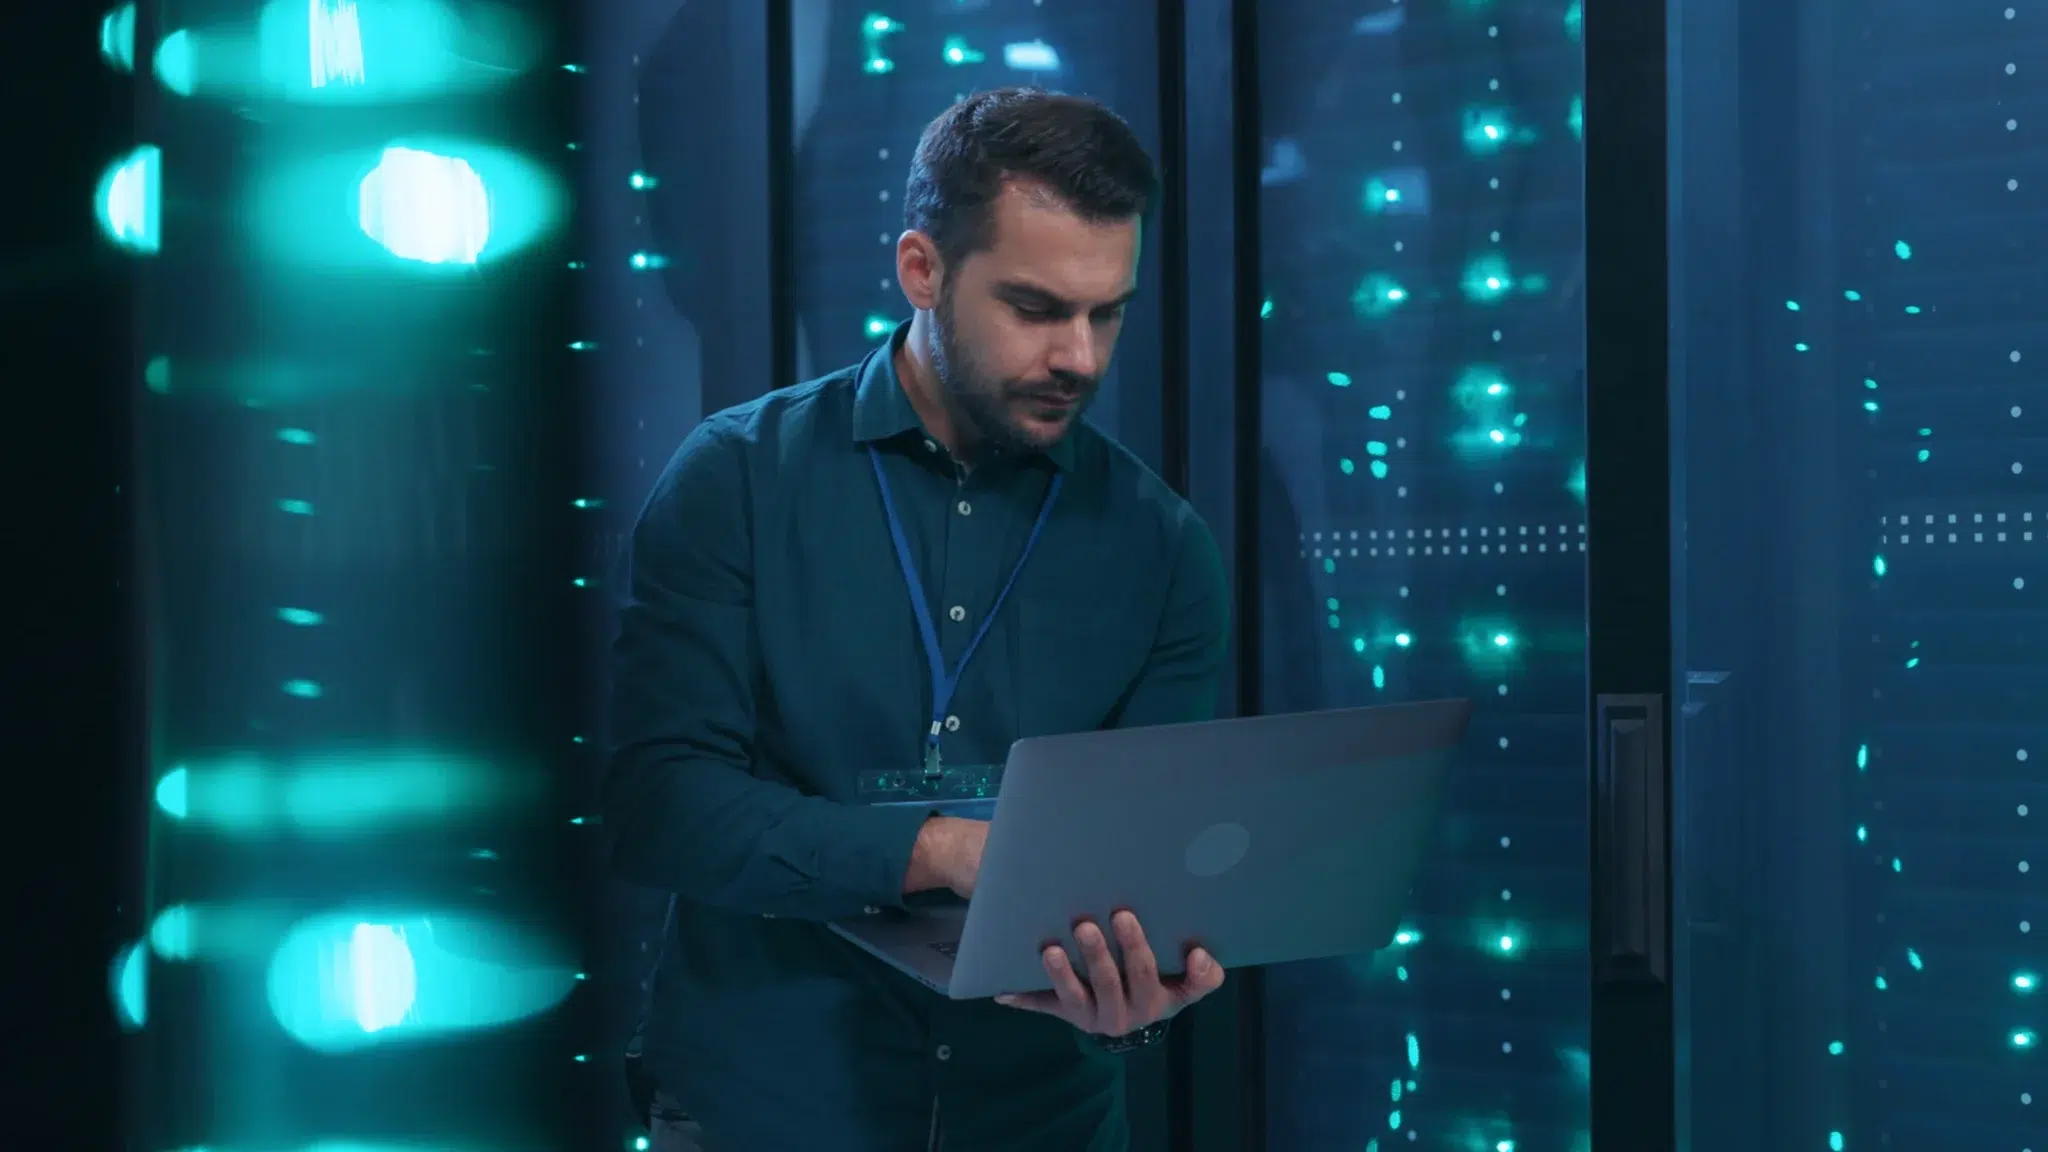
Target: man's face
1025	329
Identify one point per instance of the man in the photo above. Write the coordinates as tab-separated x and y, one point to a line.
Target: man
774	685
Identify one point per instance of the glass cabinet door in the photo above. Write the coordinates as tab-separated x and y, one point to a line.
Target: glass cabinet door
1423	535
1858	433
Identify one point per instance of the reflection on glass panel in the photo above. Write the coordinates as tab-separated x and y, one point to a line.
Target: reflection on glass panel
868	79
1860	464
682	279
672	286
1421	503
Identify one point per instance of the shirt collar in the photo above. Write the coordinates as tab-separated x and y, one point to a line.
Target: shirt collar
881	410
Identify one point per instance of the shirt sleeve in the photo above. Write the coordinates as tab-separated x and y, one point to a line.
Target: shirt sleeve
685	809
1184	671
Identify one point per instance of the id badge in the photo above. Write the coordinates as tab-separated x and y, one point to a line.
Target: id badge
967	790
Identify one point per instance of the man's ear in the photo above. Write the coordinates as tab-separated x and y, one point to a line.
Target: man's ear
918	270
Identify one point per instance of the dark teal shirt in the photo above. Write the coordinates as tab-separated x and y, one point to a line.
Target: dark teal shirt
768	660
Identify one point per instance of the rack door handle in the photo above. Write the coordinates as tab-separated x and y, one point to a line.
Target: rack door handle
1631	859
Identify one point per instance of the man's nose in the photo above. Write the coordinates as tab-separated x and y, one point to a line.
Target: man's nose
1077	352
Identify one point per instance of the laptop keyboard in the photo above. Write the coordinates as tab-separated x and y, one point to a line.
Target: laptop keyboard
947	948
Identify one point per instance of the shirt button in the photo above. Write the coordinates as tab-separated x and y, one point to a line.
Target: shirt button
964	508
931	446
956	613
952	723
945	1052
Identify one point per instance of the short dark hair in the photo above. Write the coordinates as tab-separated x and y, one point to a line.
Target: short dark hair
1079	150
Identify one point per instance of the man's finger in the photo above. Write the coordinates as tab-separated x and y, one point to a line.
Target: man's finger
1112	1009
1204	975
1075	1002
1148	998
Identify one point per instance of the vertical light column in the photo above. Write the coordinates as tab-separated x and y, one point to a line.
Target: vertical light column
355	508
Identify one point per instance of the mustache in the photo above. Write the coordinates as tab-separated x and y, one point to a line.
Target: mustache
1061	386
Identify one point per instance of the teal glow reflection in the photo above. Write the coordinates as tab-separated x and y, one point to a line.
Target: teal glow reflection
1489	420
351	52
1377	297
1487	279
128	986
427	206
170	934
339	793
341	1146
345	981
128	201
176	63
1489	644
257	382
117	38
171	795
241	931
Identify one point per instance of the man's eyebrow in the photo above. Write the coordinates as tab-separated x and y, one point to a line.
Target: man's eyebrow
1018	291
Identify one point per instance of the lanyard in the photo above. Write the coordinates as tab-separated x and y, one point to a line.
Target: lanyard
945	680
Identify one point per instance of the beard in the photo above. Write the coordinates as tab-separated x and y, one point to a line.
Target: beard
993	410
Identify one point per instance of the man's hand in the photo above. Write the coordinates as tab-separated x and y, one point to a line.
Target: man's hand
947	855
1106	1002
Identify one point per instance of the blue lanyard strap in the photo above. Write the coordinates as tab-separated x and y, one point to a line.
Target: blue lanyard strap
945	680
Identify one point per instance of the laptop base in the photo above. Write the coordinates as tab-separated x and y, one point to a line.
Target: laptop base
919	944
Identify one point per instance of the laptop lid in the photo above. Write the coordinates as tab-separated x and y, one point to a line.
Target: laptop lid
1266	839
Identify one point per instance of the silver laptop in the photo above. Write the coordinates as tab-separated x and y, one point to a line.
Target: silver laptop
1266	840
